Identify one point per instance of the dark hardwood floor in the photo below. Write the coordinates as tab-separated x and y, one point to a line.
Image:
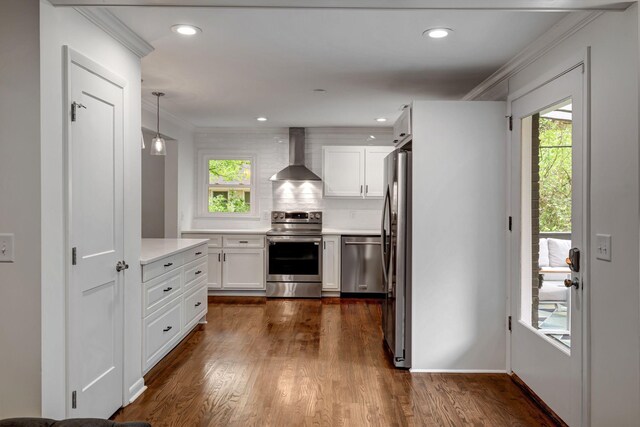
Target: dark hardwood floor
312	362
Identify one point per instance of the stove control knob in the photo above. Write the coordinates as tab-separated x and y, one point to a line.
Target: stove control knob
275	215
281	215
317	215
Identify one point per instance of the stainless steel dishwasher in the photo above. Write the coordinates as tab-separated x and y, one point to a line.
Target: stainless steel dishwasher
361	265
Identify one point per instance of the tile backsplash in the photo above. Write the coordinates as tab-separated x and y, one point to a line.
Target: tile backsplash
270	147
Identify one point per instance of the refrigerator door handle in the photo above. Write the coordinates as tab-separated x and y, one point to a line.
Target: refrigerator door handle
383	234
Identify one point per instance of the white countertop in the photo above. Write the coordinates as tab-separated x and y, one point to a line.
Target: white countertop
228	231
325	231
350	232
155	249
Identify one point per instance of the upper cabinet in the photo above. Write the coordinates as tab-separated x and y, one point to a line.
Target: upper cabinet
354	172
402	127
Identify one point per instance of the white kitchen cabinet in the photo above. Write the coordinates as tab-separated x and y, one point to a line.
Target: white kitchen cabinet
331	263
214	263
402	126
235	262
174	280
343	171
374	171
243	269
354	172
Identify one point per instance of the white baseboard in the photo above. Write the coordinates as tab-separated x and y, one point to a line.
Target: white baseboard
136	390
458	371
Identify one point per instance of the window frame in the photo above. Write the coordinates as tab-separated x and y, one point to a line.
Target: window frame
202	185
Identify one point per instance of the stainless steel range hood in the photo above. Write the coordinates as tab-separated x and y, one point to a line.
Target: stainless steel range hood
296	171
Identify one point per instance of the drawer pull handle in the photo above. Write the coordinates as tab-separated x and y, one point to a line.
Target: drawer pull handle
169	264
167	290
243	241
198	253
198	304
198	272
167	329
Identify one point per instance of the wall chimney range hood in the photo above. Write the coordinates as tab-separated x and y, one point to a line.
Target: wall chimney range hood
296	171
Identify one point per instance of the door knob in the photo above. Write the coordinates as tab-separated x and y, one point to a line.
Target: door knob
121	265
572	282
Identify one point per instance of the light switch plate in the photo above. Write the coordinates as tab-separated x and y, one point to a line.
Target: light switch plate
603	247
6	248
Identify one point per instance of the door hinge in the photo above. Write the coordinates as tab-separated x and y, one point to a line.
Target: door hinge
74	402
74	110
510	119
510	223
509	322
74	256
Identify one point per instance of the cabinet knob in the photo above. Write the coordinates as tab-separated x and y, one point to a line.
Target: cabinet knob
169	264
198	253
167	329
198	272
167	290
198	304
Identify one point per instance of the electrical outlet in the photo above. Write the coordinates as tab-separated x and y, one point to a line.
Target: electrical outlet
266	215
6	248
603	247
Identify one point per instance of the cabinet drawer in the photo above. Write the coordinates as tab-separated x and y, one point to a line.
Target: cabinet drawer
160	290
158	268
195	304
243	241
215	240
160	330
194	271
195	253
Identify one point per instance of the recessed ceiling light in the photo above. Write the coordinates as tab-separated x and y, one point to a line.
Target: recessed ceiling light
185	29
437	33
381	119
320	90
261	119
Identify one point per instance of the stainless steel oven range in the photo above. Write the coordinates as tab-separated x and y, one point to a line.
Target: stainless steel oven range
294	255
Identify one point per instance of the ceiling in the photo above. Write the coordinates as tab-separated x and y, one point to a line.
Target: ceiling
251	62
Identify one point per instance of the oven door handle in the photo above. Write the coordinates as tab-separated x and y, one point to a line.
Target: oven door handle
292	239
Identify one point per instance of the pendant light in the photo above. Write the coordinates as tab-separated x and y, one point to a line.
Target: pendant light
158	145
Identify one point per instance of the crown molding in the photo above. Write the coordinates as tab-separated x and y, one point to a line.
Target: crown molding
117	29
521	5
495	87
151	107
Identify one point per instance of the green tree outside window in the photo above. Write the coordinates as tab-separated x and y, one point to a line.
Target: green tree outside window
229	186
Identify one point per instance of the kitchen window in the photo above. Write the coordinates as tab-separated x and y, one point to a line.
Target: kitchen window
227	185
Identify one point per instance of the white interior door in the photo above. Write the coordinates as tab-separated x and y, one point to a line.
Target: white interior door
548	206
95	310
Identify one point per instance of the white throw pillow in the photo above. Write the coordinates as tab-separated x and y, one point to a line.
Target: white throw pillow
558	252
543	254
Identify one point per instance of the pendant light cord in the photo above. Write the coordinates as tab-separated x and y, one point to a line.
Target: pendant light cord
158	116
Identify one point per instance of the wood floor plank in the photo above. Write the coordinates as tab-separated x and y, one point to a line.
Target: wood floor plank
260	362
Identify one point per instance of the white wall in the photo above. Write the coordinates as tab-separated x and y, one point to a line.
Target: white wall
459	226
153	189
614	290
271	147
59	27
178	172
20	191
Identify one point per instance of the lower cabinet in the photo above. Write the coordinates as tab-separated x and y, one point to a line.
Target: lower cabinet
173	302
235	262
331	263
243	269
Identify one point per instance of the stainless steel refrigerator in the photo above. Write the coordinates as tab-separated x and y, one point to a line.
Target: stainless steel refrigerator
396	256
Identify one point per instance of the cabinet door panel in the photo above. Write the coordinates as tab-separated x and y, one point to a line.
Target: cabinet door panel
331	263
374	171
214	269
243	269
343	171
